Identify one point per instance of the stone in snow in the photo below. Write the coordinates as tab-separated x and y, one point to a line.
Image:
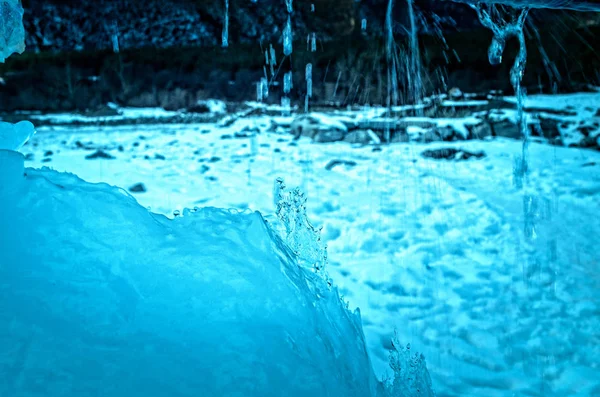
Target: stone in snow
138	188
99	154
451	154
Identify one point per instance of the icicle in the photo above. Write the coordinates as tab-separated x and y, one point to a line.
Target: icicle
273	56
414	75
264	83
363	24
392	97
287	37
225	34
271	60
502	31
287	51
259	91
313	43
115	43
287	82
312	7
308	86
115	38
309	80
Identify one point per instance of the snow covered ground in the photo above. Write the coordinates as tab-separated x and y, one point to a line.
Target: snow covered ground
498	287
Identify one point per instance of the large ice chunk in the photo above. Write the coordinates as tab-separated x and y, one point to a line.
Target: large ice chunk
14	136
100	297
12	32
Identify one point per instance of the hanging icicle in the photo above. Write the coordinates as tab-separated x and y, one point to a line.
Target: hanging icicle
287	82
225	33
309	85
287	37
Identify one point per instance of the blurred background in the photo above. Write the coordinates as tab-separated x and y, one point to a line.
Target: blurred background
167	53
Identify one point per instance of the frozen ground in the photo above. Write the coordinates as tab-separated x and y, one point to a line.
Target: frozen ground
498	302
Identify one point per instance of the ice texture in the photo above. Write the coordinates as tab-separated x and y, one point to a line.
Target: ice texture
579	5
101	297
12	33
287	38
14	136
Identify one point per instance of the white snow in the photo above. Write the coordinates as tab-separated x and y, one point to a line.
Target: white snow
575	102
464	103
214	105
436	249
330	122
125	113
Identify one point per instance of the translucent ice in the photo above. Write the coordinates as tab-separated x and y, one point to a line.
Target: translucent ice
12	33
287	37
580	5
14	136
101	297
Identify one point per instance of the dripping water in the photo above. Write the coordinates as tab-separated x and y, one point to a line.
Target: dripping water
502	31
415	83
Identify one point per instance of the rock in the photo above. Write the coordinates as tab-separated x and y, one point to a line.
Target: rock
208	106
363	137
318	127
48	153
334	163
549	129
103	111
451	154
226	136
431	135
455	93
587	130
327	136
400	136
138	188
448	133
99	154
214	159
247	132
506	129
159	157
589	143
481	130
204	169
